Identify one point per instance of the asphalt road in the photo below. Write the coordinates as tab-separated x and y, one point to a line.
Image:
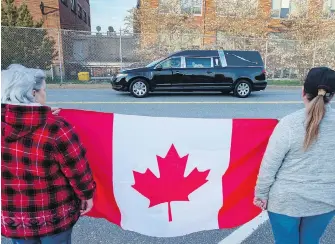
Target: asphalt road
272	103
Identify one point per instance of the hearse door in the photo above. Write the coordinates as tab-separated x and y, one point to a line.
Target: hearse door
175	66
200	72
163	75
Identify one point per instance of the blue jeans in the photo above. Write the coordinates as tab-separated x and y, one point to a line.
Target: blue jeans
61	238
305	230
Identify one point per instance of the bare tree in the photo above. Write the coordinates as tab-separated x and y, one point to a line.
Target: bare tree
305	37
163	29
312	33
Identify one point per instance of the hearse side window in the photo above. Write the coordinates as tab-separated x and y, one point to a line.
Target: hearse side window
246	59
198	62
171	63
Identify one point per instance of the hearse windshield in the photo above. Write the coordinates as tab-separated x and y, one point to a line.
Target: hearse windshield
152	64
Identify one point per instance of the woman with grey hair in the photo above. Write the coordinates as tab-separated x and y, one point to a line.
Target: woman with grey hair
21	85
46	181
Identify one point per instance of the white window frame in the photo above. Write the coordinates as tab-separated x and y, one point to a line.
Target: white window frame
281	7
222	57
216	58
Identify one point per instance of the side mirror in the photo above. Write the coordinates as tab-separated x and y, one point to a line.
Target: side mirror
159	67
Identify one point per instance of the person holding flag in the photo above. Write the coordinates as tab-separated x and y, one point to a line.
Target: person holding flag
296	182
46	181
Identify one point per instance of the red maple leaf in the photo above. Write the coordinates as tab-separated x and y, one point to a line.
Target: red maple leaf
171	185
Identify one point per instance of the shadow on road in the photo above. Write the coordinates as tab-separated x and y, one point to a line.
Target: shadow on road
189	94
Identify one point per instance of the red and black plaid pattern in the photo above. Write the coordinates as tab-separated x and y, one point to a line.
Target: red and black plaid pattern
44	173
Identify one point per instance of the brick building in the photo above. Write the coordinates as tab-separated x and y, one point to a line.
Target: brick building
61	14
214	19
57	16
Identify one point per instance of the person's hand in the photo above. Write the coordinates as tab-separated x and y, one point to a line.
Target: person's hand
86	206
263	204
55	111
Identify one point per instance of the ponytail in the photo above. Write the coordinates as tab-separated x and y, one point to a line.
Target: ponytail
315	113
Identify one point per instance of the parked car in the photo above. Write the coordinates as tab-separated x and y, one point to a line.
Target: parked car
240	72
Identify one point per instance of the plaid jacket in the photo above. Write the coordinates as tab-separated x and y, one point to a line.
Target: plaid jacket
44	173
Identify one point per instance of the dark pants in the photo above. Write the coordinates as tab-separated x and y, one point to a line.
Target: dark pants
305	230
61	238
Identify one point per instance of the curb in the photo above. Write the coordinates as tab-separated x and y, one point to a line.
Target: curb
283	87
78	86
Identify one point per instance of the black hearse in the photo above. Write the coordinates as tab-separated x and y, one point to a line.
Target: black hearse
240	72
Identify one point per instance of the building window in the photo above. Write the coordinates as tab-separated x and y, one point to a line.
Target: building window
237	8
74	5
191	7
80	12
280	8
181	6
64	2
85	16
284	8
329	9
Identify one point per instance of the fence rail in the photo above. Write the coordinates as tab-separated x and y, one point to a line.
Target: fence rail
64	53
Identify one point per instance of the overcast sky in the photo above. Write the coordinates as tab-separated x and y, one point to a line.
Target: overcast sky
109	13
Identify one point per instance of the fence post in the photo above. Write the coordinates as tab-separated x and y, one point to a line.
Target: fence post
52	72
266	54
290	74
121	49
60	57
181	41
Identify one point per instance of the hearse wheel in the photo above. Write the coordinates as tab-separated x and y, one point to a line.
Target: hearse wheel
242	89
139	88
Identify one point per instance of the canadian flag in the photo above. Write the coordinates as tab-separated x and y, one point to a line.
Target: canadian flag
168	177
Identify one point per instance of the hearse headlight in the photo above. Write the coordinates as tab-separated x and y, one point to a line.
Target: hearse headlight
121	75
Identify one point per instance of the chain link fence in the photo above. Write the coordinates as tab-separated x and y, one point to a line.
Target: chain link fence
63	53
